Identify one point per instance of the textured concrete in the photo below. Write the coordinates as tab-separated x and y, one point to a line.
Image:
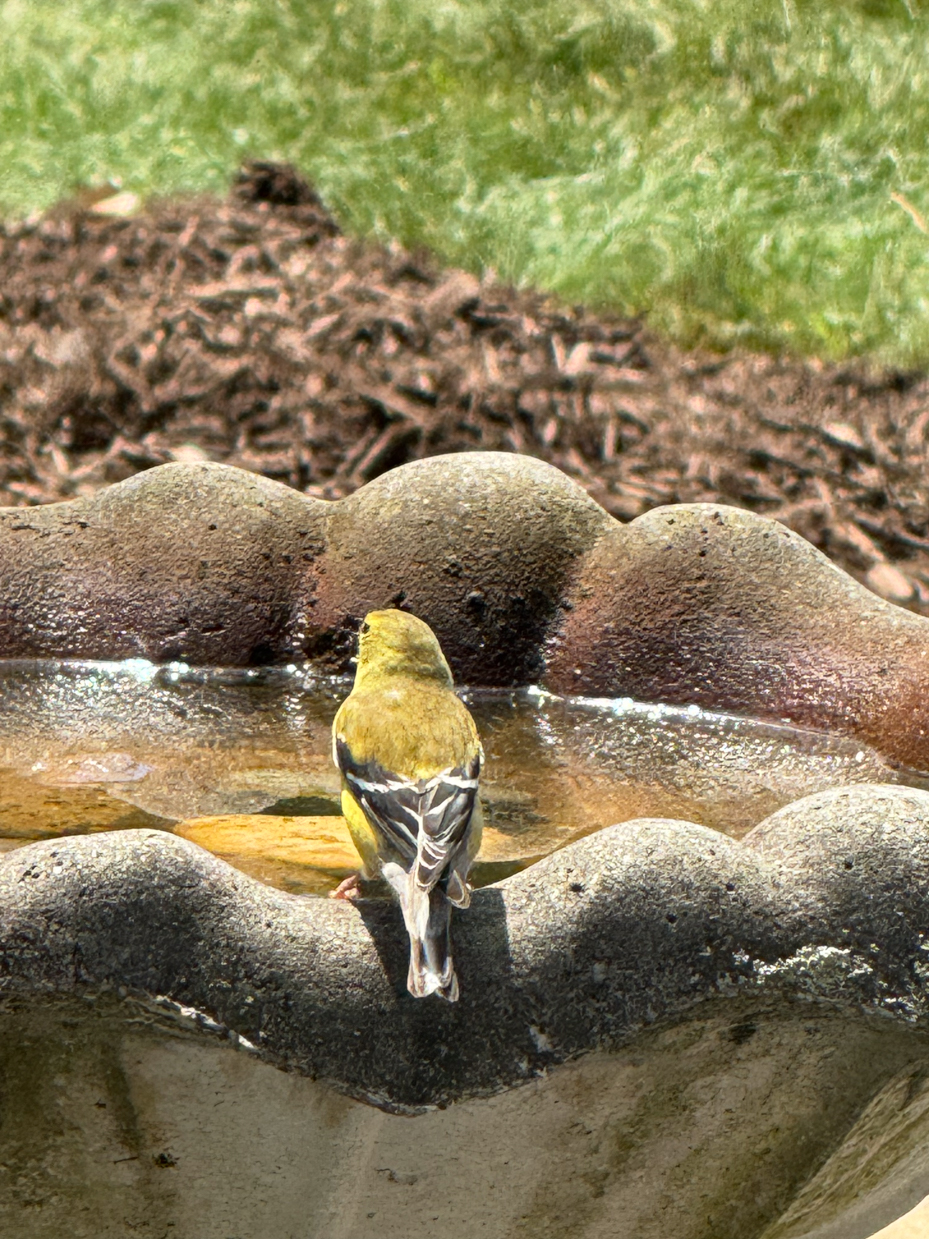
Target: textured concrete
709	604
114	1126
482	546
523	577
713	1039
572	972
197	562
635	923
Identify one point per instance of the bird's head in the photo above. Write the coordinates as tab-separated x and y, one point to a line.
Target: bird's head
397	643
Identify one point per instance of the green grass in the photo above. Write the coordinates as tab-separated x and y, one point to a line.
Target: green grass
726	167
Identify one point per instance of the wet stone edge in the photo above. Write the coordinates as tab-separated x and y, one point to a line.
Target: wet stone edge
525	579
827	901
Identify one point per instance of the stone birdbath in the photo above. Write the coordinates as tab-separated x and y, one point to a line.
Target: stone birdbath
693	981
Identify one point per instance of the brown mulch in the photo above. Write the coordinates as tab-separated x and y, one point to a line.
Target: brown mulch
251	331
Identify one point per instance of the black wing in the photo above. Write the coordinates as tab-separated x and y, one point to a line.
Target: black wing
425	820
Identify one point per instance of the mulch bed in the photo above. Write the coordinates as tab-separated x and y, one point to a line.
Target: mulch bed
251	331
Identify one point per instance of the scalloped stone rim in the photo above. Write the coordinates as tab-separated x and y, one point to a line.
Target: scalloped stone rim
827	899
525	580
523	577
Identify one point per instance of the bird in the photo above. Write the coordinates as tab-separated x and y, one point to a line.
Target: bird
410	758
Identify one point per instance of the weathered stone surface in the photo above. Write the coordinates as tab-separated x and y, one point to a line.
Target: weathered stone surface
632	924
112	1127
712	605
481	545
212	565
854	861
198	562
301	978
523	577
666	957
599	950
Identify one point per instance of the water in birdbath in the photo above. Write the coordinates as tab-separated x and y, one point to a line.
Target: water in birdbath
239	761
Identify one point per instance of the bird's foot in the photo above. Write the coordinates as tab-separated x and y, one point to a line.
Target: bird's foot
349	888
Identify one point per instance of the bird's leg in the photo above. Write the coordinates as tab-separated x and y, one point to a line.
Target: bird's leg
348	888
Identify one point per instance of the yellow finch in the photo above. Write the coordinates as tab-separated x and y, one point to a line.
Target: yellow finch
410	759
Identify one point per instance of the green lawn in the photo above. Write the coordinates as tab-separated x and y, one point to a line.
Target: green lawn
740	171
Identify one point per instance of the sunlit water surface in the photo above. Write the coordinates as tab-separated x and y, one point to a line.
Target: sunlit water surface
240	762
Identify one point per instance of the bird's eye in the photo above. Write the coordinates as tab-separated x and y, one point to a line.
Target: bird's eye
366	627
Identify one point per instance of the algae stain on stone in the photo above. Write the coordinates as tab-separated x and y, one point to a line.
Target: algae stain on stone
718	1111
892	1127
833	1075
113	1123
32	810
70	1138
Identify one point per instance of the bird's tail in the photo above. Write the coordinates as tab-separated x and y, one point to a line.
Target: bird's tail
427	916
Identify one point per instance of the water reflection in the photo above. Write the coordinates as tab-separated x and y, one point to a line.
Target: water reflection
239	761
